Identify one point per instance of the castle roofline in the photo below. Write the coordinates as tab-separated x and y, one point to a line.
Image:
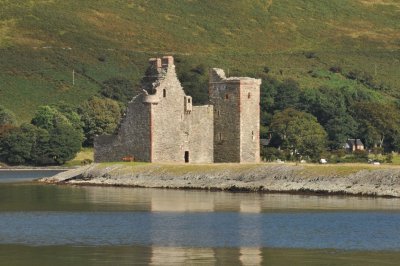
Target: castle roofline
217	75
243	80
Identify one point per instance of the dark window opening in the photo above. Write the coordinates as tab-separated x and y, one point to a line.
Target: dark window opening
188	100
164	93
227	96
218	113
248	95
186	156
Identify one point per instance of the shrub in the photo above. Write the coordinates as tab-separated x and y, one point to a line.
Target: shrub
310	55
7	117
335	69
119	89
389	158
271	154
99	116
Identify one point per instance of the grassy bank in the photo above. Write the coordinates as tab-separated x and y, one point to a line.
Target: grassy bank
84	154
41	42
354	179
303	170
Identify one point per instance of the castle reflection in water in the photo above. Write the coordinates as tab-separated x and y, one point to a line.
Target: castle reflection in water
167	200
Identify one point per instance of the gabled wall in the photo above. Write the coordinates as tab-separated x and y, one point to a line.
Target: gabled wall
133	137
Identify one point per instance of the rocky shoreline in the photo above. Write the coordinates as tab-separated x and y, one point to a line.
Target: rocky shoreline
361	180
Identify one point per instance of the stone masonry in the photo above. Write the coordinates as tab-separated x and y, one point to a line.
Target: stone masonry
162	125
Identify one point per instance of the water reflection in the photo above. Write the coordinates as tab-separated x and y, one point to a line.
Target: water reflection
163	200
9	176
161	256
251	256
21	197
136	255
170	256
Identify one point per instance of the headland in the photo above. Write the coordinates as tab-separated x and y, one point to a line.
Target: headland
343	179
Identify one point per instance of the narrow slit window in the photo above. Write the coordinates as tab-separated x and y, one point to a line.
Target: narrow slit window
252	135
227	96
188	100
164	93
220	136
249	95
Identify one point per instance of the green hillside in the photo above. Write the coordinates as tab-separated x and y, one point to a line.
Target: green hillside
43	41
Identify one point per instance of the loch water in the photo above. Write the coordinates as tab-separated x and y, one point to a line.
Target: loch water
66	225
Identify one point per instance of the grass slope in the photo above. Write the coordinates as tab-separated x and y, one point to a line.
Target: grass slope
42	41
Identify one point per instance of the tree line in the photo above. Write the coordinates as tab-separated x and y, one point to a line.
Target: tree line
57	132
299	123
310	122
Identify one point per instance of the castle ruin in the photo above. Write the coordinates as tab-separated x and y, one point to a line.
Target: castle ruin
162	124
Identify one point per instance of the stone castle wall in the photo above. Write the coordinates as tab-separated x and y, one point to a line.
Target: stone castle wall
133	137
171	122
236	117
201	149
161	125
249	121
224	97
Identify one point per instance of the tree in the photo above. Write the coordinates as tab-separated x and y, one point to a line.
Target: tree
324	103
119	89
195	83
299	132
48	117
64	142
341	128
99	116
288	94
7	117
378	122
71	113
19	145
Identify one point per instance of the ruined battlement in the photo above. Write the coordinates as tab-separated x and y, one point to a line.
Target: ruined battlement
161	63
218	76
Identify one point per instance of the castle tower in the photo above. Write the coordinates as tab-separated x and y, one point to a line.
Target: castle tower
236	103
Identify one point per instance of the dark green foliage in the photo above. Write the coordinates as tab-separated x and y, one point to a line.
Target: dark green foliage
119	89
63	144
7	117
71	113
379	123
299	133
389	157
287	95
48	117
50	139
23	144
310	55
324	103
16	145
271	154
99	116
268	92
340	129
335	69
65	136
365	78
195	83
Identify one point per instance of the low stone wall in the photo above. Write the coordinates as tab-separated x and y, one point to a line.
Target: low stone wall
353	180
